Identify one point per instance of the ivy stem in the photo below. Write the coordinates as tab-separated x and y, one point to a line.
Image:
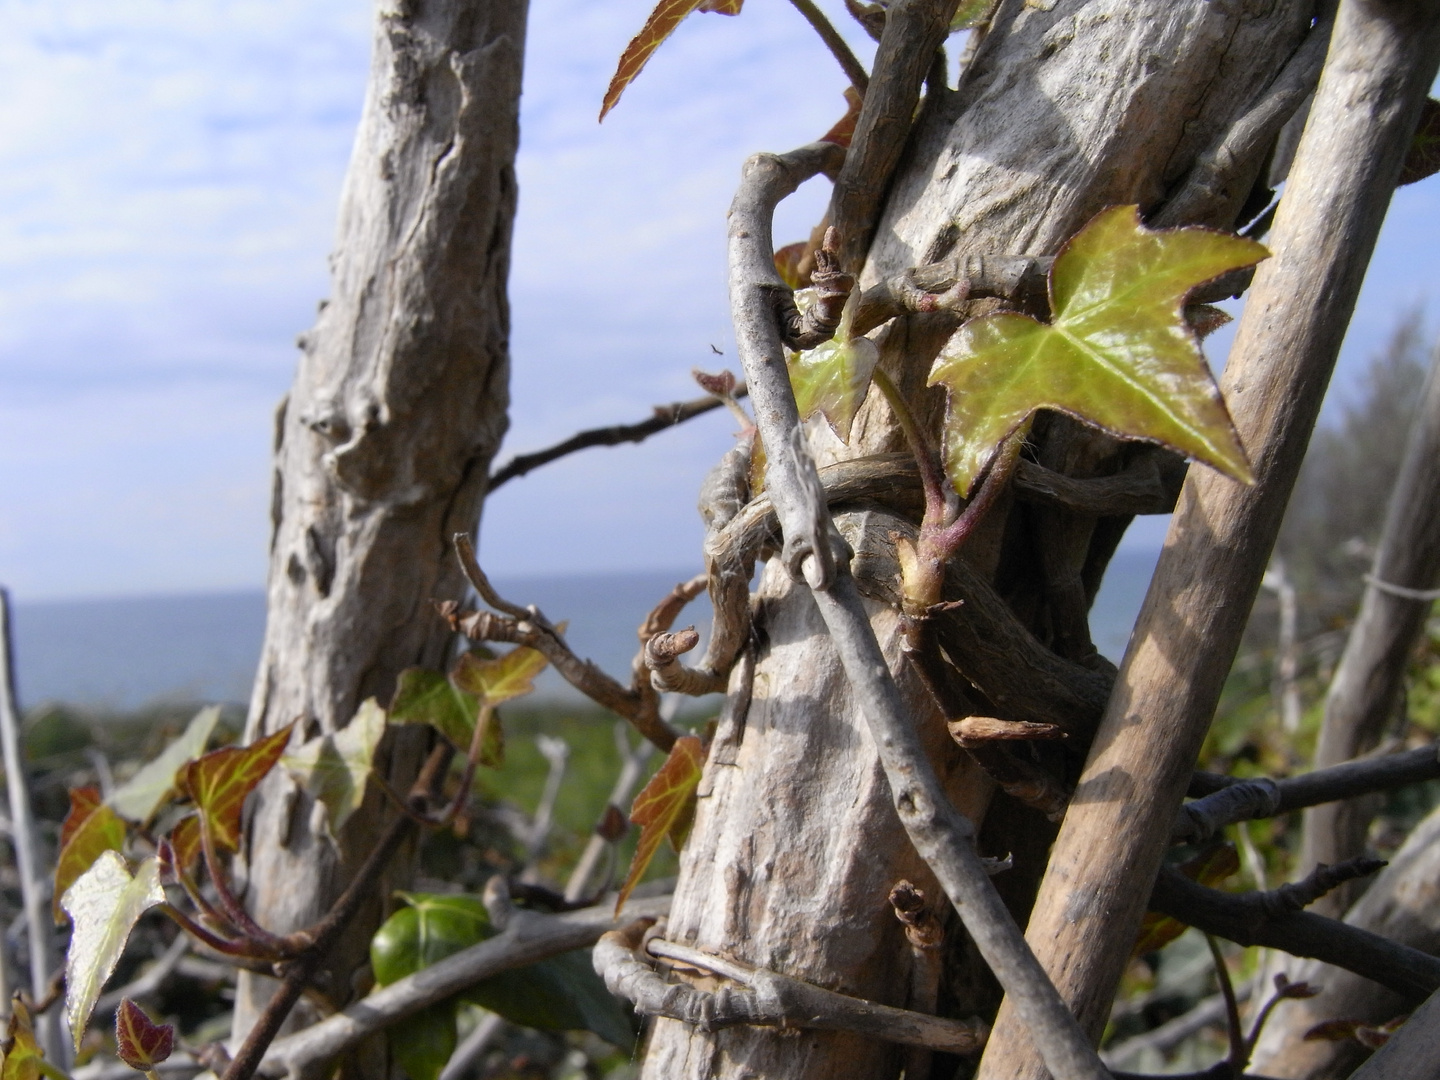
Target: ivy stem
54	1072
233	909
854	70
932	477
1239	1052
949	539
206	937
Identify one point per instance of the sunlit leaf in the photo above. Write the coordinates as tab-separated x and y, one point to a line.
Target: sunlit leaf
498	680
559	994
22	1053
139	1041
787	263
428	697
1209	868
833	378
668	14
972	13
1117	354
220	781
185	842
758	462
666	803
139	797
104	905
1423	158
335	767
89	829
843	130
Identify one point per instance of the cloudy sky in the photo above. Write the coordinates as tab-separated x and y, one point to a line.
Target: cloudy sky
169	171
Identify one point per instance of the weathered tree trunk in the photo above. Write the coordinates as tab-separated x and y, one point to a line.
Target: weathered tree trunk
1063	112
384	443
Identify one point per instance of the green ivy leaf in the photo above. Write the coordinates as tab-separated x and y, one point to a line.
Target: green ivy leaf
427	697
335	767
22	1053
424	1042
138	798
1117	353
833	378
104	905
1423	157
972	13
89	829
668	14
558	994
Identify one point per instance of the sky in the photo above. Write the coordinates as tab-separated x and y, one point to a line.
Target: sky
169	176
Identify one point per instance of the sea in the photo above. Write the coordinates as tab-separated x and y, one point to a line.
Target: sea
117	655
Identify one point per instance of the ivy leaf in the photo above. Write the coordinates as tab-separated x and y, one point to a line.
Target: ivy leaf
833	378
104	905
665	807
139	1041
972	13
1209	868
561	993
1423	157
428	697
335	767
496	681
185	843
22	1054
220	781
1118	353
787	263
138	798
89	829
668	14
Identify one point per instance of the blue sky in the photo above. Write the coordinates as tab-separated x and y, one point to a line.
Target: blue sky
169	173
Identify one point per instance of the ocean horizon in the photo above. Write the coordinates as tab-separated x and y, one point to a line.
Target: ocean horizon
122	654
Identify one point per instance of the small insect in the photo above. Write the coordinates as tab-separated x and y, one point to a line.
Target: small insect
717	352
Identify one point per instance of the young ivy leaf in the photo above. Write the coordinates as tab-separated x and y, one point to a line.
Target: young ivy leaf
89	829
138	798
104	906
139	1041
833	378
428	697
220	781
22	1054
972	13
334	768
1423	158
665	807
668	14
185	843
1209	868
496	681
1117	353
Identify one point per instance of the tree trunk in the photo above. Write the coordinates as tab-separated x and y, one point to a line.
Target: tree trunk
384	443
1063	112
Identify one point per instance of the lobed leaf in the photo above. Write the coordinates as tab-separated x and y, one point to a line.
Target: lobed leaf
220	781
833	378
334	768
139	1041
89	829
668	14
138	798
972	13
185	843
104	905
1118	352
21	1053
497	680
1423	157
1209	868
428	697
665	807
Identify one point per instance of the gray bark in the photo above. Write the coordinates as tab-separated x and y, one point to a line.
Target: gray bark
795	846
1369	683
386	438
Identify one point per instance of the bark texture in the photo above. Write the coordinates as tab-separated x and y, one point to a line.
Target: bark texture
1369	683
385	440
1067	108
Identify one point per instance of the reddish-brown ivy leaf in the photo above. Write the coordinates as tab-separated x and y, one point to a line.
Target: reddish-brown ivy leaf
1423	158
185	843
22	1054
612	825
668	14
139	1041
1209	868
220	781
787	263
90	828
665	806
1117	352
844	129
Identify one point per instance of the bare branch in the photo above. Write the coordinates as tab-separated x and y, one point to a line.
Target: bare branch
1149	485
529	936
951	284
942	836
668	675
763	997
854	70
665	416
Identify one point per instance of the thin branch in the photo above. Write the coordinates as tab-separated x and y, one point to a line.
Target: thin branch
943	837
1273	919
630	772
1227	160
762	997
1244	800
1235	1034
926	935
854	70
950	285
669	675
528	937
665	416
1148	485
1172	1033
